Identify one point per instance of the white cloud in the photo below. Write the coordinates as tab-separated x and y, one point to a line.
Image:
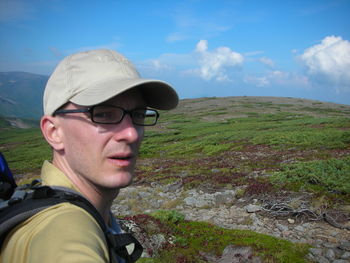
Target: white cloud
202	46
267	61
329	62
253	53
175	37
56	52
207	65
169	61
154	65
278	78
114	44
214	65
257	81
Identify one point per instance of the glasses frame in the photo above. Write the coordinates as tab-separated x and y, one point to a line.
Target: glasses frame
91	110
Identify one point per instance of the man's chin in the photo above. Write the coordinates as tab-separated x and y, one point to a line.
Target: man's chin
121	181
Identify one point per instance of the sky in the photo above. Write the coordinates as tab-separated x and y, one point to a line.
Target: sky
203	48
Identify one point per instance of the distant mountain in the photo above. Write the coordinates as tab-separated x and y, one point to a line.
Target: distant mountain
11	122
21	94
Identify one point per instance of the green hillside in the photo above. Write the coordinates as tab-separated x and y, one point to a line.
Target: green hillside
236	136
263	145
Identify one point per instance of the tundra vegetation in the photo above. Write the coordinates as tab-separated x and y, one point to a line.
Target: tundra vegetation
263	145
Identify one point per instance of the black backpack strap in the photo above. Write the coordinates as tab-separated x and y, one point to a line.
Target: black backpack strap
7	182
21	206
29	200
6	190
118	243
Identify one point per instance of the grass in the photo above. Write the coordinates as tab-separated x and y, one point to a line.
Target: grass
281	130
192	239
198	144
304	146
24	149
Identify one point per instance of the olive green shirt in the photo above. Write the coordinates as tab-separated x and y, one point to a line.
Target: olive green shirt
62	233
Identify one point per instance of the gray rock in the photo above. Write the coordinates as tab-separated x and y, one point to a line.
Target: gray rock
322	260
291	221
345	246
174	186
252	208
299	228
334	233
346	255
330	254
164	195
223	209
143	195
223	198
155	203
256	221
190	201
199	201
158	241
338	252
155	184
282	228
237	254
316	251
328	245
311	257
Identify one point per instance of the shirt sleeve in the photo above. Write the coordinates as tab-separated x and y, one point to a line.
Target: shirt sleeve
62	233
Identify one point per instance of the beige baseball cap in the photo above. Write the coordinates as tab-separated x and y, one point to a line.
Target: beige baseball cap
92	77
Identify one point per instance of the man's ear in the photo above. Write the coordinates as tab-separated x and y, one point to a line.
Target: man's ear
50	128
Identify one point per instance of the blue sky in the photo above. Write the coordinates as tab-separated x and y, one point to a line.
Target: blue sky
291	48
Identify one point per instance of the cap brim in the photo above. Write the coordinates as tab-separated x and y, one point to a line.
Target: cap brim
157	94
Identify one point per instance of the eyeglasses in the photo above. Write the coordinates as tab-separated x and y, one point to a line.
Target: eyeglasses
107	114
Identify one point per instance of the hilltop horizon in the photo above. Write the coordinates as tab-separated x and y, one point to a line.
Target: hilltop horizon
16	83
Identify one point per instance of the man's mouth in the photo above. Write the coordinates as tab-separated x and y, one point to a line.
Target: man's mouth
121	160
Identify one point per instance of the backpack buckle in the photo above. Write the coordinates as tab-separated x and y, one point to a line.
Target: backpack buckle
17	196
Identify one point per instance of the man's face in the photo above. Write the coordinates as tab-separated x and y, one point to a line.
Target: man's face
101	156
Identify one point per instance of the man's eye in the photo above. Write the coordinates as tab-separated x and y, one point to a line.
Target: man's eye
104	115
139	115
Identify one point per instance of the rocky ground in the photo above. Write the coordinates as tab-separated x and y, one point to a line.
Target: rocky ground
228	209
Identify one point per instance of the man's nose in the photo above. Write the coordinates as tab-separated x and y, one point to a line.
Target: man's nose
127	130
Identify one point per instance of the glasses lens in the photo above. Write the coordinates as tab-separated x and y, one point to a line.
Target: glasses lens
145	117
107	114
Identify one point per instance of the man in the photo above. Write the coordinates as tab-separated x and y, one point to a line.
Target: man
95	109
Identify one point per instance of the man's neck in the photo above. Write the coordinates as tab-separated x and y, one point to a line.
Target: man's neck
101	198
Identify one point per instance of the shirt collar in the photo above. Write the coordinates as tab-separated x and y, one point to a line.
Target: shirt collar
51	175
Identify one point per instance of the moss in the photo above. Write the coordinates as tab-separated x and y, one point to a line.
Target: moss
195	237
190	239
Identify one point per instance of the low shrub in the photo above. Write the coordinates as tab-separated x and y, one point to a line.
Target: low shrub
332	175
171	216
